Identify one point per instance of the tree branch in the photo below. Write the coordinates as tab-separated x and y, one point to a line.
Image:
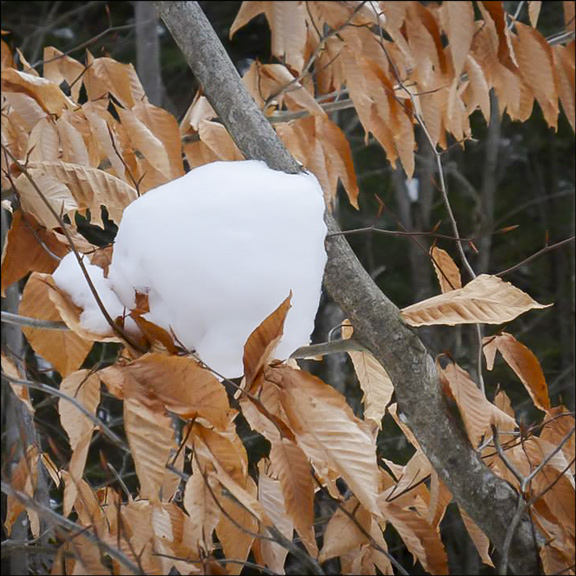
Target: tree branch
489	500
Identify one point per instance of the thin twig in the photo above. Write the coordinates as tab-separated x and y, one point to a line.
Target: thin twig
16	319
540	252
326	348
62	522
55	392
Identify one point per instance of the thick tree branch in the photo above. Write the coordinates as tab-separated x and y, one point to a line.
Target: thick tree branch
489	500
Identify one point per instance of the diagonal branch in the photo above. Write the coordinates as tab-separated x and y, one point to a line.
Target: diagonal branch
489	500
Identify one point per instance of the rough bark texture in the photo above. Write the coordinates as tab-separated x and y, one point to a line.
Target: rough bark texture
490	501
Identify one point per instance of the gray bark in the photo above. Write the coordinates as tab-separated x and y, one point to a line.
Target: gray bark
148	51
489	500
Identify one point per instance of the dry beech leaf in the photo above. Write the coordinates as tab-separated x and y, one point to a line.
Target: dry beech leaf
478	414
486	299
328	432
143	140
559	423
23	251
203	511
177	384
478	537
84	387
440	497
59	67
165	127
242	506
151	438
534	7
272	499
342	535
446	270
525	365
21	392
65	350
89	558
290	465
215	136
421	539
564	66
287	25
84	188
105	75
460	31
537	67
222	448
263	341
416	470
47	94
44	142
374	381
23	479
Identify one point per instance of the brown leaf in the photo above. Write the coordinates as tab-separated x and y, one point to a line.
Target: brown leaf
446	270
460	31
177	384
59	67
43	143
21	392
478	537
237	541
420	538
342	534
537	67
263	341
24	252
564	66
559	422
478	414
215	136
105	75
328	432
523	362
290	465
84	387
534	12
486	299
47	94
70	188
23	478
165	127
272	500
202	509
63	349
151	438
143	140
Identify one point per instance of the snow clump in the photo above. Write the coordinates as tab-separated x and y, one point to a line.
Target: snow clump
217	251
69	278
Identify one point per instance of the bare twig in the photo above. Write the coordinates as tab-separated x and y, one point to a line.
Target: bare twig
326	348
68	525
16	319
540	252
55	392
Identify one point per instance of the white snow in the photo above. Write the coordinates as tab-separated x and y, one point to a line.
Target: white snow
69	278
218	250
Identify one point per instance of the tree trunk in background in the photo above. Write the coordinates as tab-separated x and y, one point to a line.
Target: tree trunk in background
560	269
148	51
19	431
489	184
